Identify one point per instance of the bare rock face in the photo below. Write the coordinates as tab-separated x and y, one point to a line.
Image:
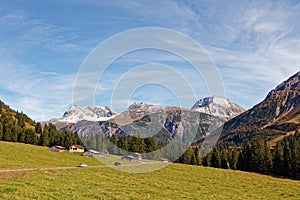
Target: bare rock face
164	123
277	114
219	107
287	95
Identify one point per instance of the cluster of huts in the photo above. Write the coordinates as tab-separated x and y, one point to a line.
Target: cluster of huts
75	148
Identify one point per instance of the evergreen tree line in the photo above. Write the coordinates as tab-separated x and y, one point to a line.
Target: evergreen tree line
254	156
121	145
13	129
49	136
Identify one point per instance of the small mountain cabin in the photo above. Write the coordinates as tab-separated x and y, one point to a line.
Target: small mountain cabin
75	148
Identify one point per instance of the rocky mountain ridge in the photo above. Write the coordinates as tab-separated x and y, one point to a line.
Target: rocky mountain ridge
278	114
218	106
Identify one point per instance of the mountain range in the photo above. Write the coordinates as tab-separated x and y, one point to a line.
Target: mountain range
276	116
215	106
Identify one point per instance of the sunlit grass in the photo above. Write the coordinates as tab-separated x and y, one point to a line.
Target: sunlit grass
19	155
176	181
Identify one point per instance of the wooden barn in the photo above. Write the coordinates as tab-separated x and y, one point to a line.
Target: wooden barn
57	148
91	153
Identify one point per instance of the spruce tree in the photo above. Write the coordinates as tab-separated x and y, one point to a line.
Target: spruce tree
215	158
198	156
14	132
224	159
113	145
44	137
233	159
21	120
257	159
287	160
30	137
278	160
7	133
205	161
38	128
188	156
268	160
244	157
295	148
68	139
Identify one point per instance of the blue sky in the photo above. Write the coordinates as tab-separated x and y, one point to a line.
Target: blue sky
255	46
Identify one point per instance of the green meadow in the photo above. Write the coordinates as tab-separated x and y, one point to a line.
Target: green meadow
175	181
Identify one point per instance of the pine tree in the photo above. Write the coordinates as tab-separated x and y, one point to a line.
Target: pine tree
30	137
268	160
113	148
224	159
21	120
14	132
151	144
68	139
215	158
188	156
21	136
278	160
244	157
287	160
44	137
38	128
257	162
198	156
7	133
233	159
295	157
206	161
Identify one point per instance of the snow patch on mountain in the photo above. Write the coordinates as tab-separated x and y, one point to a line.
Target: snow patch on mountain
218	106
89	113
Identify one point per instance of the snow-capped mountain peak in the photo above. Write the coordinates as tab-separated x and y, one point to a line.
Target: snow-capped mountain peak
77	113
218	106
89	113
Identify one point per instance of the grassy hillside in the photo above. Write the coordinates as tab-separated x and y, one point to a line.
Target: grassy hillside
5	109
173	182
19	155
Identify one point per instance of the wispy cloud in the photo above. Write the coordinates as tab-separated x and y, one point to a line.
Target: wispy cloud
39	94
255	46
35	32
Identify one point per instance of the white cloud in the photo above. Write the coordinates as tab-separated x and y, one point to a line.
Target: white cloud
41	95
254	44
